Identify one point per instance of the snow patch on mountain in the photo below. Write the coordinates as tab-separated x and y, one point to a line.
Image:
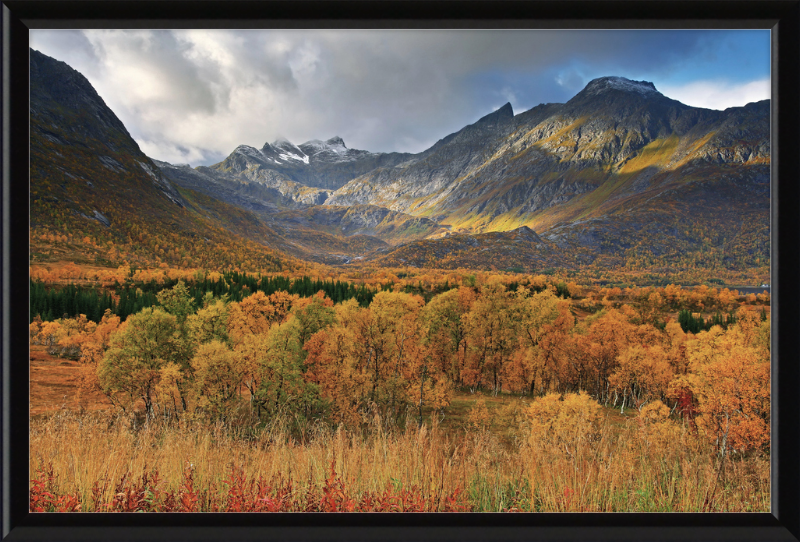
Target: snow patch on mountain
286	150
287	146
293	156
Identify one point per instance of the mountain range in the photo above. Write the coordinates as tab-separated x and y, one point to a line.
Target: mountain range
620	176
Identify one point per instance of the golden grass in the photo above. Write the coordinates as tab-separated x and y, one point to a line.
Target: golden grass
83	449
631	469
627	467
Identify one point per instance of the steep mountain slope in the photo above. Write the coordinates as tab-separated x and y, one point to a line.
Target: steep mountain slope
619	177
620	174
96	198
312	227
228	188
390	226
615	134
419	184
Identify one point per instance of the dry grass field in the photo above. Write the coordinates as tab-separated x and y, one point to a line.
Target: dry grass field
99	460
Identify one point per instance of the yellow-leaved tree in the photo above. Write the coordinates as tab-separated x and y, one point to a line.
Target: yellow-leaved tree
730	377
215	381
643	373
131	367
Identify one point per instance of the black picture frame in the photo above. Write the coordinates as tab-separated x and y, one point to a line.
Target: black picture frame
782	16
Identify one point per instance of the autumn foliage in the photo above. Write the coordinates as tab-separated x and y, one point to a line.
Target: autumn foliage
402	358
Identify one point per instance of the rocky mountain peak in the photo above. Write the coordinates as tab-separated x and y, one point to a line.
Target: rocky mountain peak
284	144
332	150
336	141
504	113
247	150
605	84
284	151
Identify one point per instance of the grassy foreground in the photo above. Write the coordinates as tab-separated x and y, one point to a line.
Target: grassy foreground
101	462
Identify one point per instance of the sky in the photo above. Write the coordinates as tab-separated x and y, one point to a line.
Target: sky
193	96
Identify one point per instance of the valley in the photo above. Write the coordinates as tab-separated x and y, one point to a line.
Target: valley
545	310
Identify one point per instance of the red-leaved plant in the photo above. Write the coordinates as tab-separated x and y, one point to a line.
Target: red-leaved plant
242	494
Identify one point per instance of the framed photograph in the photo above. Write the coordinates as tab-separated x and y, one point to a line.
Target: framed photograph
360	270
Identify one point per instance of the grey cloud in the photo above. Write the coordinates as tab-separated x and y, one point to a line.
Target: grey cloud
159	53
262	66
380	90
418	80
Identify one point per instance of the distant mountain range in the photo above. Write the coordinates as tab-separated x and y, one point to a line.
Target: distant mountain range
321	164
620	176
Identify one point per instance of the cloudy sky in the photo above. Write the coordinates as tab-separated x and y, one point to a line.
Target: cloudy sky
192	96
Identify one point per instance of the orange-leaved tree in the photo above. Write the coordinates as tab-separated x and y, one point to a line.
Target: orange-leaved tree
535	313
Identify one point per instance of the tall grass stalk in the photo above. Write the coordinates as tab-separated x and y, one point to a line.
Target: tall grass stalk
625	469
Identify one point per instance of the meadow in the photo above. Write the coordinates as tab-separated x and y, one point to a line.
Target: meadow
100	463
